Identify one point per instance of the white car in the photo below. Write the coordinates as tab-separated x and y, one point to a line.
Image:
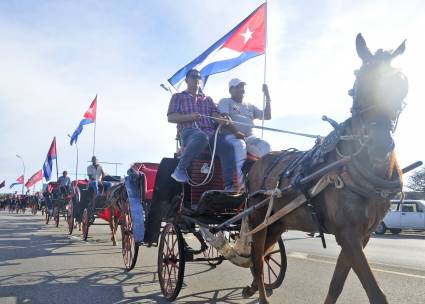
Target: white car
408	215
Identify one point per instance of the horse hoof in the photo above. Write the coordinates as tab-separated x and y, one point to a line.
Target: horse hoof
114	243
263	301
248	292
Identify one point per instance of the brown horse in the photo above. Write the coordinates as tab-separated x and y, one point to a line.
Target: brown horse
356	195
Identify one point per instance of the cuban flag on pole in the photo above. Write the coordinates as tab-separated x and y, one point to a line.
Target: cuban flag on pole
38	176
48	163
88	118
245	41
19	181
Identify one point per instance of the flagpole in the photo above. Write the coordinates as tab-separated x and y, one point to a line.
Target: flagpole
265	68
94	135
57	169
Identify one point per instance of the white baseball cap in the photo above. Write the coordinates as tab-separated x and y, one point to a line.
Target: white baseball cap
235	82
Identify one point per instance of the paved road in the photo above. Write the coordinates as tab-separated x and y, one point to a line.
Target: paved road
41	264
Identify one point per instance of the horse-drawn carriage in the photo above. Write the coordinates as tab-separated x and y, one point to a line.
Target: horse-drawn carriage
330	188
57	199
173	211
86	206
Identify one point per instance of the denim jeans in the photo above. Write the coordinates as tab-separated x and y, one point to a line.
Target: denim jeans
239	147
95	186
195	141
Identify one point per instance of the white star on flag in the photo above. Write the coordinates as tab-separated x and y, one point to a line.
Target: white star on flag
247	35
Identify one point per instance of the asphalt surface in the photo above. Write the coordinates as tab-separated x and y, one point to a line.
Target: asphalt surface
42	264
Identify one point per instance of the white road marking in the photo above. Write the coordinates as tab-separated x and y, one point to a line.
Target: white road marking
304	256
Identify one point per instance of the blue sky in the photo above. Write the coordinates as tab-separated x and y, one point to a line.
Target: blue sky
57	55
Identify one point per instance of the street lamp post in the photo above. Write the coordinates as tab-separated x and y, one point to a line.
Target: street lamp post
23	174
76	165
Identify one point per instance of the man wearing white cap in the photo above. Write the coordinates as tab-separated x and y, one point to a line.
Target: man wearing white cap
240	135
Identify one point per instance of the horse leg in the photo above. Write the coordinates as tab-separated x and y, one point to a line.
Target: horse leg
258	243
352	248
112	226
342	268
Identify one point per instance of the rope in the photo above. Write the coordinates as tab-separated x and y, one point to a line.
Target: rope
209	176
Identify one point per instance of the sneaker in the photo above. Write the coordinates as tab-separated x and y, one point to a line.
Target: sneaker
179	175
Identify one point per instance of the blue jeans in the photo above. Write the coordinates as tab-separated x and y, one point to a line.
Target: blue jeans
95	186
195	141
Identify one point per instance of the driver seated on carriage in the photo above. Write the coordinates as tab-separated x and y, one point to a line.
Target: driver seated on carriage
96	174
64	184
194	114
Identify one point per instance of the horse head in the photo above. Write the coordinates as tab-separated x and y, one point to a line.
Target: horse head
378	99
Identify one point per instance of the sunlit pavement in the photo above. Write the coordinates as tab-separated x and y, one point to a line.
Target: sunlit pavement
42	264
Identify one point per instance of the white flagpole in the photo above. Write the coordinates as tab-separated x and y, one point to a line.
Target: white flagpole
265	68
94	136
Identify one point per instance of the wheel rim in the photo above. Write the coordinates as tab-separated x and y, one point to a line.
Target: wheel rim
129	247
275	264
171	261
212	253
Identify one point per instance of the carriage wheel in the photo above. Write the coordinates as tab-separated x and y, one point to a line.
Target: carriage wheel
213	254
70	217
56	215
85	224
171	261
275	264
130	249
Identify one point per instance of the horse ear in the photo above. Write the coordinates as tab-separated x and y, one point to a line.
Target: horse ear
362	49
400	50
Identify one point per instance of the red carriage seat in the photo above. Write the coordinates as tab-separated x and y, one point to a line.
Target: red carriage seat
149	170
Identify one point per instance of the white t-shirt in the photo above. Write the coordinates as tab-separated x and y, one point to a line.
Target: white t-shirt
95	172
240	112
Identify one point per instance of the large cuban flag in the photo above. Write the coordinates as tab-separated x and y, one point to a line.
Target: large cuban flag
48	163
88	118
245	41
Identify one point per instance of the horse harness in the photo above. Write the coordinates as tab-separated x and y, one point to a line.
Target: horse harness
306	163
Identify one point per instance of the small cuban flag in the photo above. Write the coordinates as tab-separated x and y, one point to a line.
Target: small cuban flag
19	181
245	41
88	118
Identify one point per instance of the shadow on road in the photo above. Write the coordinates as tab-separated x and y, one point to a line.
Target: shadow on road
79	285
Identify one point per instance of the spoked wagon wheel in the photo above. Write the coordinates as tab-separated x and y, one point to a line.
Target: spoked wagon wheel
70	217
56	215
130	249
275	264
85	224
214	256
171	261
